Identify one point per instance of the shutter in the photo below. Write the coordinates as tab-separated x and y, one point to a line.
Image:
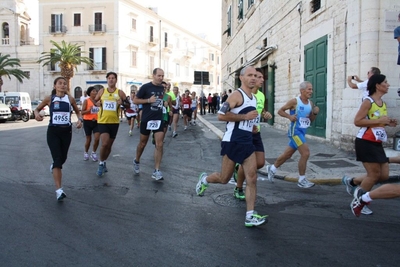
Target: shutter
104	58
91	55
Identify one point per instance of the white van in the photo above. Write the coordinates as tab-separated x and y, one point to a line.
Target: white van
21	100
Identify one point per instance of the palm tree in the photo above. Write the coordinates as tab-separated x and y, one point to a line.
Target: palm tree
5	63
67	56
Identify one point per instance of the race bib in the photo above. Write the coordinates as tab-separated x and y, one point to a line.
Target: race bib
247	125
304	122
164	110
94	110
153	125
60	117
185	106
380	134
258	119
110	105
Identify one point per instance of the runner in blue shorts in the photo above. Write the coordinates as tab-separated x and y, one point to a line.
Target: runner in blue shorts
302	113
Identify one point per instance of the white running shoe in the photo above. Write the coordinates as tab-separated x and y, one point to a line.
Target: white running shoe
60	194
85	156
305	183
271	174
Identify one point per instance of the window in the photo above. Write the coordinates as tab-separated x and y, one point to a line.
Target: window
98	55
54	66
77	19
240	10
133	24
27	73
315	5
5	36
250	3
98	21
134	58
217	59
211	56
57	23
166	65
165	39
218	80
151	34
151	64
228	30
177	42
178	69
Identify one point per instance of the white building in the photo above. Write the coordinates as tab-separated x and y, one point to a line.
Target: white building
15	24
120	36
316	40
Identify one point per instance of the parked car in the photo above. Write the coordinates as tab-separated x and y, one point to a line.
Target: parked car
34	104
5	112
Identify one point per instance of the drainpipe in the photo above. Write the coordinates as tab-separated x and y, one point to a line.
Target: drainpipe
345	51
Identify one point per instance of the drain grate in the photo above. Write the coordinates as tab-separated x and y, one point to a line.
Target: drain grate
338	163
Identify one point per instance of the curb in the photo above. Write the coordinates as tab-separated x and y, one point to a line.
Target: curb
320	181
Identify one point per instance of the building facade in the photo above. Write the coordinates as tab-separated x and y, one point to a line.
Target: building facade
15	24
316	40
120	36
129	39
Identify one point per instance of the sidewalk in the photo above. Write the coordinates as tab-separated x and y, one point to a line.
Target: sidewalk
326	164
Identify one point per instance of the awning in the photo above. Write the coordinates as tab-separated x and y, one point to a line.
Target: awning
134	82
260	56
96	82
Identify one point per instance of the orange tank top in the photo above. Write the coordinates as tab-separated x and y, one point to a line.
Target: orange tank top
92	115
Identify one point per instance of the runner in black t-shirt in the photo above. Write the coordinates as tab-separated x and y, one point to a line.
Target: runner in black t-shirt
151	96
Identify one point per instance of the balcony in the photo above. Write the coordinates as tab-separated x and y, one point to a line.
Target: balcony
153	41
5	41
168	48
188	54
98	66
170	75
97	28
57	29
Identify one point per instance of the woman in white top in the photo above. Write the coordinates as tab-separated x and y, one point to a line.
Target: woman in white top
195	102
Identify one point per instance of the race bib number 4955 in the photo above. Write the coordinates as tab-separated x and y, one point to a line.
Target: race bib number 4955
60	117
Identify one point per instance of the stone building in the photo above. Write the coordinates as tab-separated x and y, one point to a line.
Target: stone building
316	40
120	36
15	24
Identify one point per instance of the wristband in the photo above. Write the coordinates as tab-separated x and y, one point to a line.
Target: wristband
148	100
81	119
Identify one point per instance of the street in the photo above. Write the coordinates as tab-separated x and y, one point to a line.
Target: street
126	220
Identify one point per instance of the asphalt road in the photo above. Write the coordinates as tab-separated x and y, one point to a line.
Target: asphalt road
126	220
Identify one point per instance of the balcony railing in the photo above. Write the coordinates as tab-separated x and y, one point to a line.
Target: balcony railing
97	28
98	66
57	29
153	41
5	41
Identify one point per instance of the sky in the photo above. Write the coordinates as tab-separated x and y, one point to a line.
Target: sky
199	17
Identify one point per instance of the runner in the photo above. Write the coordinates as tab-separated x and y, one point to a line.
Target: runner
109	99
89	113
175	111
301	114
238	175
151	96
239	111
59	131
186	109
132	112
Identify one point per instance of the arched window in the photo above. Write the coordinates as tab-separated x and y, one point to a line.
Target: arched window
5	35
77	92
23	35
98	87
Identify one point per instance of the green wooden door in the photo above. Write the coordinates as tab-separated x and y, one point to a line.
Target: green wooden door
315	56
